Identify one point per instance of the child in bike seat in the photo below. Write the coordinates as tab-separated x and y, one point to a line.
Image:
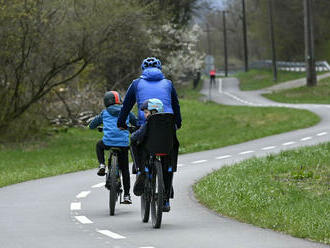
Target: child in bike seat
114	137
149	107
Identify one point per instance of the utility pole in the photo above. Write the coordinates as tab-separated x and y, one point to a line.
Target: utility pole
208	39
225	41
209	54
246	62
309	44
272	38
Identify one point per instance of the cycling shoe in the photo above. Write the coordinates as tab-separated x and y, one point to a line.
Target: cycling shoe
166	206
101	171
127	199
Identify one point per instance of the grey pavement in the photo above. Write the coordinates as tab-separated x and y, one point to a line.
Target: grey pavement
72	210
293	83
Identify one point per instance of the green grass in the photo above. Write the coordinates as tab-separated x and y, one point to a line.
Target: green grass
288	192
317	94
259	79
210	125
65	152
205	126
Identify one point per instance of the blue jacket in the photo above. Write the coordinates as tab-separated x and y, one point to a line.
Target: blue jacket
112	135
151	84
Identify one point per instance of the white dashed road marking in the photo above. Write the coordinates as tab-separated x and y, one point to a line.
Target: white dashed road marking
223	157
83	220
179	165
83	194
268	148
75	206
220	85
306	138
99	185
321	134
199	161
111	234
246	152
289	143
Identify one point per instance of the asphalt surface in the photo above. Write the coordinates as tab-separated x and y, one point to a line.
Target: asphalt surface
72	210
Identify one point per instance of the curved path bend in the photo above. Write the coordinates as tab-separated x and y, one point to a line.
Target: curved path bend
72	210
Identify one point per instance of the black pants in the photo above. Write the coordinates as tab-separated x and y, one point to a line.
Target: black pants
167	176
137	156
122	162
212	81
140	157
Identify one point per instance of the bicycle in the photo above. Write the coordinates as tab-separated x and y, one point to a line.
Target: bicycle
113	178
159	143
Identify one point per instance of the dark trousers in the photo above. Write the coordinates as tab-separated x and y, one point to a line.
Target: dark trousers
212	80
140	157
122	162
137	156
167	176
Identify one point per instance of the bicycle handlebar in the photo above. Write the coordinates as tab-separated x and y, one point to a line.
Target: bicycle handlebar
131	129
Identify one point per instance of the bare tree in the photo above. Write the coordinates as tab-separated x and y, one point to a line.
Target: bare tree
49	43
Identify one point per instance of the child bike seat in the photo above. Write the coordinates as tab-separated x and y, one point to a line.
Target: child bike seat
160	133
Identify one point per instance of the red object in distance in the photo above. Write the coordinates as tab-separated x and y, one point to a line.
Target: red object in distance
212	72
161	154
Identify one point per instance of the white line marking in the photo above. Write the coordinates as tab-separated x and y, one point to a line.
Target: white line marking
246	152
268	148
83	194
223	157
306	138
83	220
179	165
111	234
220	85
199	161
288	143
99	185
321	134
75	206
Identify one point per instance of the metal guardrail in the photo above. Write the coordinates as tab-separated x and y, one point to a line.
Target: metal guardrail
290	66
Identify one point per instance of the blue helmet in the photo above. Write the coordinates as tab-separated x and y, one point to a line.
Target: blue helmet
151	62
153	104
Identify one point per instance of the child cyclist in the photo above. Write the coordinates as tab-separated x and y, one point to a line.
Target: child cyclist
149	107
114	137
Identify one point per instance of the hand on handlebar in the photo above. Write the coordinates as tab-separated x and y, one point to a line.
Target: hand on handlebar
122	127
132	129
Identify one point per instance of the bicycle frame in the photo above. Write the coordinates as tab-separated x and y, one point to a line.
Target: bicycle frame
113	180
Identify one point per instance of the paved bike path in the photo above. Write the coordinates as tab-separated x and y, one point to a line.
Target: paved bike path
72	210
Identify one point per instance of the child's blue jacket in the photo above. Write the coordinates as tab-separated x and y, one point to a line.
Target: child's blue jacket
113	136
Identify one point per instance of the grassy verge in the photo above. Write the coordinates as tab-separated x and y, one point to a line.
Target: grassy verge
288	192
210	125
317	94
205	126
65	152
259	79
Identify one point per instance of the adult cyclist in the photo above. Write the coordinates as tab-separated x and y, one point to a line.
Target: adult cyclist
152	84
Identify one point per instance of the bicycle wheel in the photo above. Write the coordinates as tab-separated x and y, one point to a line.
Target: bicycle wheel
157	195
113	184
145	202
